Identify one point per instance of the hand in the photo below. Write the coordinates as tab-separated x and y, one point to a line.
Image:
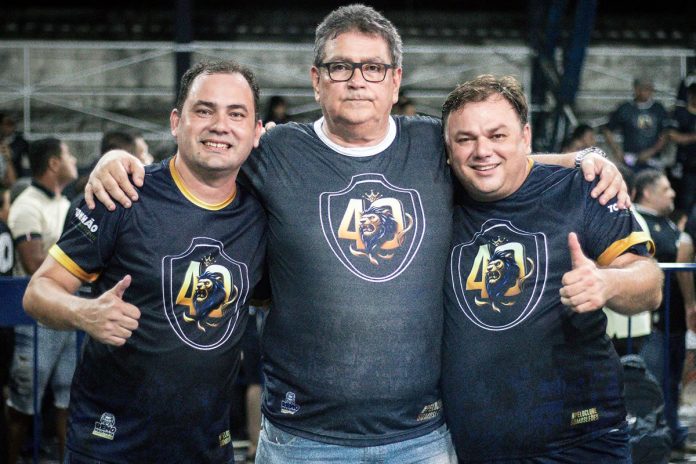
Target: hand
584	288
108	319
611	183
109	180
269	126
645	155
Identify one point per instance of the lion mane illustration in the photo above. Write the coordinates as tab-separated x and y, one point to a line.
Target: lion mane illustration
502	274
209	295
377	226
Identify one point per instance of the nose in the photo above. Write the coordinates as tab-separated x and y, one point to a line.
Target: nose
357	77
219	123
484	147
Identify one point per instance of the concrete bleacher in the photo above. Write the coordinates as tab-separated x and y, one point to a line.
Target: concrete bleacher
80	88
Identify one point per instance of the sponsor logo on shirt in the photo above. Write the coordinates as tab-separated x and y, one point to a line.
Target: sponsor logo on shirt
105	427
584	416
499	276
86	224
224	438
373	227
430	411
288	405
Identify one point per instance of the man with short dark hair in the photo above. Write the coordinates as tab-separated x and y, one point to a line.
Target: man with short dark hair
528	373
36	221
173	275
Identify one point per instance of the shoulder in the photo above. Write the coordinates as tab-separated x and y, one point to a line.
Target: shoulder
282	132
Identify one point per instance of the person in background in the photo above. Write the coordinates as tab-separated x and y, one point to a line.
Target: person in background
17	144
642	123
36	220
654	200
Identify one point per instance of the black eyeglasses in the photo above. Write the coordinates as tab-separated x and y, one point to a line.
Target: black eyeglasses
342	71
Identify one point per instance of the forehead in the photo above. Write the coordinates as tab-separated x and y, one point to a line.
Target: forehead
493	110
357	46
228	88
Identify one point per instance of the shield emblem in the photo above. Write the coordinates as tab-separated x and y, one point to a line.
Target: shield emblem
203	290
499	276
373	227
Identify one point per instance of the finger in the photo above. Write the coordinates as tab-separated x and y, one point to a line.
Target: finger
89	197
129	323
269	125
113	190
577	257
121	286
588	169
137	170
604	182
612	190
115	341
623	199
101	194
123	182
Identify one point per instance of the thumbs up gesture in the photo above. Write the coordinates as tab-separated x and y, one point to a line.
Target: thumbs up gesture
108	319
584	288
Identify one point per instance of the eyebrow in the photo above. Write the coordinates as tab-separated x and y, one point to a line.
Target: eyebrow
372	59
210	104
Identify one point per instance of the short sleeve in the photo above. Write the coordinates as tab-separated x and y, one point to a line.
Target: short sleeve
25	221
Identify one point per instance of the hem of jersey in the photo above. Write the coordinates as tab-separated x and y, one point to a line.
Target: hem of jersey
593	435
360	442
70	265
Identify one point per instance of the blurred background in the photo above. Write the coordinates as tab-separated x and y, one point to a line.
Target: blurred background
76	70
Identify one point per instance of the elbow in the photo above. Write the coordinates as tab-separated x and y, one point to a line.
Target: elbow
28	301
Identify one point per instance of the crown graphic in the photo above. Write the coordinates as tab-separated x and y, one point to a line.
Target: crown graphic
208	260
499	241
372	196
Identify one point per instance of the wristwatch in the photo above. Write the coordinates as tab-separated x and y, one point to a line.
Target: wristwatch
582	154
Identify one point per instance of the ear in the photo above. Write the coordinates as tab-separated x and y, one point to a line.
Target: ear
54	163
314	75
174	119
258	130
527	138
396	81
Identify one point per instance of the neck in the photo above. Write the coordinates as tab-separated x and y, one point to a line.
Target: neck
209	186
356	135
50	182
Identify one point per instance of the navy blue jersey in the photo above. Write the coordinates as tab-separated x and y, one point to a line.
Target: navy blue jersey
524	375
358	241
165	395
640	124
685	121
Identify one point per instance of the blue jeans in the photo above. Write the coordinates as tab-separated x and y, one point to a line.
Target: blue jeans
279	447
652	354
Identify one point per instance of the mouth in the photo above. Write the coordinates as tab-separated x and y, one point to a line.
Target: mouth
216	145
484	168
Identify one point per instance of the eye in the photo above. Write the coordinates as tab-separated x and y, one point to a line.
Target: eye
340	66
499	136
373	67
203	111
237	115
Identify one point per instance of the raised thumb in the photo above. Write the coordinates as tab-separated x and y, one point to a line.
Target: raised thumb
577	257
120	288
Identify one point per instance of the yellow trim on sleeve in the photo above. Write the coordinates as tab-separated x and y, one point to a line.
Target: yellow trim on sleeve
71	266
619	246
191	197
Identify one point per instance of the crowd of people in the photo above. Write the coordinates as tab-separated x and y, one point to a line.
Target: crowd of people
423	290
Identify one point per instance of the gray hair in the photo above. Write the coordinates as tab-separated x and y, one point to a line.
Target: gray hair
360	18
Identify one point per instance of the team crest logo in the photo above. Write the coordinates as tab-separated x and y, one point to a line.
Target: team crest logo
203	291
373	227
499	276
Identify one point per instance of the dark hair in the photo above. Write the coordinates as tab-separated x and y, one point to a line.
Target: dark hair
360	18
117	139
580	130
691	90
216	67
645	179
40	153
482	87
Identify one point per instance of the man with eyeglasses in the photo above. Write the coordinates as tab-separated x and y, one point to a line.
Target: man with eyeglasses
360	217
